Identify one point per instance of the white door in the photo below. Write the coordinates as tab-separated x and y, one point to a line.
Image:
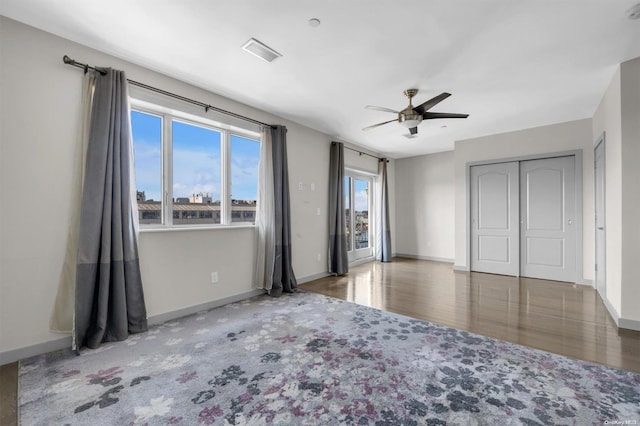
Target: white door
548	222
494	218
358	202
601	258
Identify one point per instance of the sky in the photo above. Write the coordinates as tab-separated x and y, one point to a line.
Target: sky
361	194
196	160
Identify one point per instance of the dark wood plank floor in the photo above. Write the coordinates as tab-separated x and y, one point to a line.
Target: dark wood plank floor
557	317
8	394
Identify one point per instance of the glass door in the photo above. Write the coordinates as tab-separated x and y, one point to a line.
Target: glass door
358	195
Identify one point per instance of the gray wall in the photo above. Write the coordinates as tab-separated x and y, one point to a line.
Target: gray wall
573	135
618	117
425	194
39	131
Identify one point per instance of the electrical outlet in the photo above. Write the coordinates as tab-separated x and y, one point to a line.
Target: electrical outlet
300	186
319	257
214	278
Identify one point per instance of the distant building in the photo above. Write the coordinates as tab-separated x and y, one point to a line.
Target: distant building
202	211
361	225
200	199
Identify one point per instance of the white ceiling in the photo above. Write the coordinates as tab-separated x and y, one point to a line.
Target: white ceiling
510	64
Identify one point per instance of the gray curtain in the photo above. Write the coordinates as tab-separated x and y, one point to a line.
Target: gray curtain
283	278
109	300
338	260
385	229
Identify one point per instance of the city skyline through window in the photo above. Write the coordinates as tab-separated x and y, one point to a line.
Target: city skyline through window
203	166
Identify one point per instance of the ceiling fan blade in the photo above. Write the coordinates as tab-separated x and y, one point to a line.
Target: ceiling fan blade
379	124
420	109
413	130
433	115
379	108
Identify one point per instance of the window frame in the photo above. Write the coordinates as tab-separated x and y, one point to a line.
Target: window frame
168	115
358	254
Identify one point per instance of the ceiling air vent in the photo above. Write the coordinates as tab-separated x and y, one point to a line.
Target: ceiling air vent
261	50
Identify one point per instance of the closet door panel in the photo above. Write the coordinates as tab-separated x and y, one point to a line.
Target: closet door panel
494	218
548	228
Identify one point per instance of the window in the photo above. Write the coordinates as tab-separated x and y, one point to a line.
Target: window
209	173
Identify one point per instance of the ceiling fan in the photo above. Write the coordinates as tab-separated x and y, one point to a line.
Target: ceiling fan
411	116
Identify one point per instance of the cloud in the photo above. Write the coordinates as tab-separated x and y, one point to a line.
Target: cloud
244	177
196	171
148	167
361	201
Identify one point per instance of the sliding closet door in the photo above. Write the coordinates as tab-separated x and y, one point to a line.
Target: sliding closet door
494	218
548	223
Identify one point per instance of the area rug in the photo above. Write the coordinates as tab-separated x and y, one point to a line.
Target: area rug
307	359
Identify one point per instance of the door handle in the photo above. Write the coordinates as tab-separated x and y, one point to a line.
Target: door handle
600	228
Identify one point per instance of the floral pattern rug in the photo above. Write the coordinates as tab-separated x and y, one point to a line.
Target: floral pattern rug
307	359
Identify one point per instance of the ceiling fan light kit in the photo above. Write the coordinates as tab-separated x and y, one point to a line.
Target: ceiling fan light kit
411	116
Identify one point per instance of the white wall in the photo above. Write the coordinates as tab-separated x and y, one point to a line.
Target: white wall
40	100
630	98
568	136
425	194
618	117
608	119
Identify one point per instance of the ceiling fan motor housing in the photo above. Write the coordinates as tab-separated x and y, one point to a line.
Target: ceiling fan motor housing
409	118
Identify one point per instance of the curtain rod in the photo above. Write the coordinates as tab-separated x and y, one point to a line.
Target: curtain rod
363	153
67	60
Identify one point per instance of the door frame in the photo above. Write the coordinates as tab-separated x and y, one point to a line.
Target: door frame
578	187
601	141
366	254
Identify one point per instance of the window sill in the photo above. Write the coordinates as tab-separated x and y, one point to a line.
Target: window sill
194	228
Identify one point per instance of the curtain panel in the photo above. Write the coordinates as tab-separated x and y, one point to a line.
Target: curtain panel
338	258
284	279
265	217
62	315
383	249
109	300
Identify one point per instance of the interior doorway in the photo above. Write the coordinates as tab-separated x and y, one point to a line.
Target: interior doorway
358	190
601	233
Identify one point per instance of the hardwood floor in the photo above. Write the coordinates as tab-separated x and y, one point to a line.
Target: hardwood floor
8	394
557	317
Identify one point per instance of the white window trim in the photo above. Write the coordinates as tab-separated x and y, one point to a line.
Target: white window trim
169	115
372	178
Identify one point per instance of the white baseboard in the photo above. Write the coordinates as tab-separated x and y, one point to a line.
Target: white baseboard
629	324
179	313
312	277
586	282
362	261
612	311
14	355
419	257
461	268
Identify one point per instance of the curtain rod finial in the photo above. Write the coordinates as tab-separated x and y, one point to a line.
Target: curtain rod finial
67	60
